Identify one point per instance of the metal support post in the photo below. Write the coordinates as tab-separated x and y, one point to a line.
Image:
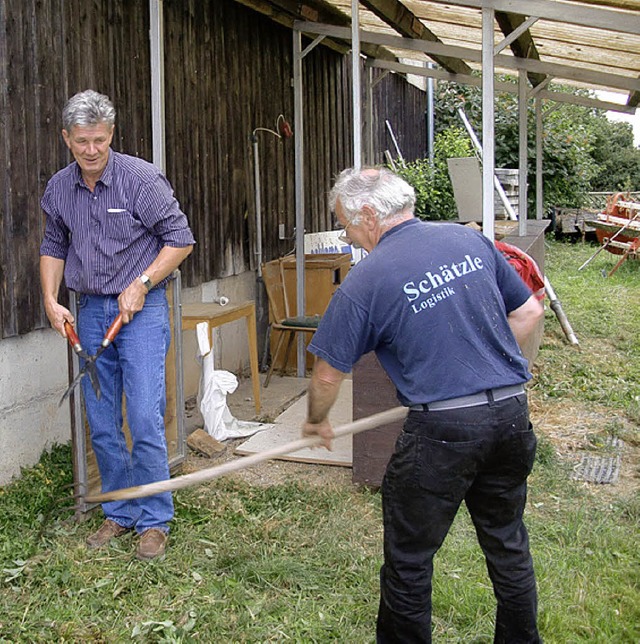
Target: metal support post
488	126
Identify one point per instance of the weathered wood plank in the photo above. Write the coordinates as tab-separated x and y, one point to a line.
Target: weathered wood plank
228	70
5	177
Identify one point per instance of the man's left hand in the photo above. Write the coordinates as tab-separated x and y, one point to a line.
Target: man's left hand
131	300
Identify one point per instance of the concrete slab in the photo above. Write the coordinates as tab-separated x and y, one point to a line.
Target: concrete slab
287	429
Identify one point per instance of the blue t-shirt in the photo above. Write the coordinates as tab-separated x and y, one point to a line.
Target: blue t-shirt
432	300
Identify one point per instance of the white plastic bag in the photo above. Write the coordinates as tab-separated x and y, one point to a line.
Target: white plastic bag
212	395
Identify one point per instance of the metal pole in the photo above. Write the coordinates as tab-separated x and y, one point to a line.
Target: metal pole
523	157
430	116
539	182
368	109
357	86
395	144
258	201
299	192
556	307
156	44
488	126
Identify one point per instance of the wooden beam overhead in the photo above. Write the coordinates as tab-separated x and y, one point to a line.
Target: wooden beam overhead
396	15
523	46
286	12
281	13
512	88
578	14
559	72
589	42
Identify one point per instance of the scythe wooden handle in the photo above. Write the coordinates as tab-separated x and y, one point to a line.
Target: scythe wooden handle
195	478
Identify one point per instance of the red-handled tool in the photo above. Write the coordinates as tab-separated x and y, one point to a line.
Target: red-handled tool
74	340
89	366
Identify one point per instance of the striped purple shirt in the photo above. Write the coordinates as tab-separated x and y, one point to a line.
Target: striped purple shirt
110	236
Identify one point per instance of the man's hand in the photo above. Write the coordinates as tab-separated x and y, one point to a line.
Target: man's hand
131	300
322	393
51	272
57	315
323	429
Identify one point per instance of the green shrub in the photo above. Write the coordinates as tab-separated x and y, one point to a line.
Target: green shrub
434	192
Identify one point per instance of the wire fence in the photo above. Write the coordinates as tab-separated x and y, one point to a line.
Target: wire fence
598	200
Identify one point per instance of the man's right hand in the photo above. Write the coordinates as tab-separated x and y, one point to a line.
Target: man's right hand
322	429
57	315
51	273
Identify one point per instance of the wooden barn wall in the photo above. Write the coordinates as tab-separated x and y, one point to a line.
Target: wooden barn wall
228	73
404	106
50	49
232	68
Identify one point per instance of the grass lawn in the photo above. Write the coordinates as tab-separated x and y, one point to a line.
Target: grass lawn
299	563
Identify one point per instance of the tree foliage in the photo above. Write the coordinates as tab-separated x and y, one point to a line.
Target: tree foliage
434	193
582	150
617	160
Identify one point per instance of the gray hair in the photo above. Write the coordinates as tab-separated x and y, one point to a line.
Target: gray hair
387	193
88	108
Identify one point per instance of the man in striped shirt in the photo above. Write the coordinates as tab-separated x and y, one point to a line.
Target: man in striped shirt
115	233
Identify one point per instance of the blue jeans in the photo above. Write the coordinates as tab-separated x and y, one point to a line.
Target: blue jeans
134	364
480	455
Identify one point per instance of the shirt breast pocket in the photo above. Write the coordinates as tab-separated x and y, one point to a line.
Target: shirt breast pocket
120	224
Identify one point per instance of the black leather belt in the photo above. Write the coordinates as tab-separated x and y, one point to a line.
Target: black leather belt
481	398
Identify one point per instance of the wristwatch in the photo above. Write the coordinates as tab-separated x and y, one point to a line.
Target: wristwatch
146	280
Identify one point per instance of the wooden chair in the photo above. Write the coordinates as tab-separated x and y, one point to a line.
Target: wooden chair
287	325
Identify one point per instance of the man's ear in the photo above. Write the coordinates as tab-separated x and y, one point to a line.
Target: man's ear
368	214
65	136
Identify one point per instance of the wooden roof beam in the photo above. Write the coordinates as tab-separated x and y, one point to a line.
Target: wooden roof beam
512	88
405	22
323	11
283	13
286	12
560	72
587	16
523	46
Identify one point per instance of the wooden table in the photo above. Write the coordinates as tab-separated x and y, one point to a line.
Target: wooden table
216	315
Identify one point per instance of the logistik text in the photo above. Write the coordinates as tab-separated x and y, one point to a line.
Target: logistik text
436	284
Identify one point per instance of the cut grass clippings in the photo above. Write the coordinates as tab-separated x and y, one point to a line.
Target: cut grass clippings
299	563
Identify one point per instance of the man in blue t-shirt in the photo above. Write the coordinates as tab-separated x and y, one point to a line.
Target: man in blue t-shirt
445	314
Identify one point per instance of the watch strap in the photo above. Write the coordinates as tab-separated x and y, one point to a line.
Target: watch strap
146	280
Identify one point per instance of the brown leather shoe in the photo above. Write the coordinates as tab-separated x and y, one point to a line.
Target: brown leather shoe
152	544
107	531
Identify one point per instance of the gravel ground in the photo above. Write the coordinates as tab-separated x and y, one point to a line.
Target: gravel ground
571	430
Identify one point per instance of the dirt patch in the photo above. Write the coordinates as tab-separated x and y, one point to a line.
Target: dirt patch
579	430
572	430
272	472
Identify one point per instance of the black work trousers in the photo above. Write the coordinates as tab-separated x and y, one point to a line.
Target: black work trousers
482	455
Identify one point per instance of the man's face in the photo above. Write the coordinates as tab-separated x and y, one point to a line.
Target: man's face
355	233
89	145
